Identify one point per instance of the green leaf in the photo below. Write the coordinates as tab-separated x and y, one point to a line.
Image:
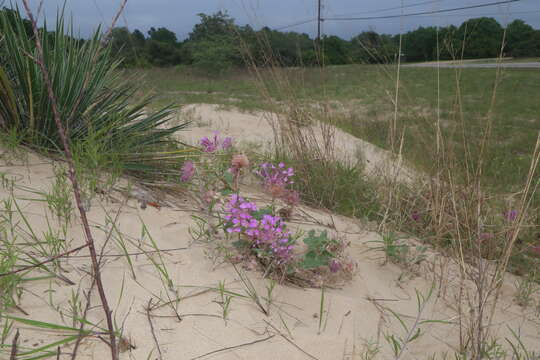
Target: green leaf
229	178
41	324
226	192
316	242
240	244
313	260
261	212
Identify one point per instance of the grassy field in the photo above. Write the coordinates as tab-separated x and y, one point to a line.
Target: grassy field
362	97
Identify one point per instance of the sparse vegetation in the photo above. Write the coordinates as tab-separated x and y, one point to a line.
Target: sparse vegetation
472	203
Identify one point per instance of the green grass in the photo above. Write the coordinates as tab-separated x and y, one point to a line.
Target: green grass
362	97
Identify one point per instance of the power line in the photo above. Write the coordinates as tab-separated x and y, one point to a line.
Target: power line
393	8
492	14
413	14
296	24
419	13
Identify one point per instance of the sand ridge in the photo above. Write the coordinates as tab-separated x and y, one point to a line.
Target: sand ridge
354	315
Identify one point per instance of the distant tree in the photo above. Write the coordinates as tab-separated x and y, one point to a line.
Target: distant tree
449	44
128	47
370	47
529	47
161	53
217	44
121	41
12	15
336	50
482	37
214	44
138	38
218	24
288	48
163	35
214	57
517	32
421	44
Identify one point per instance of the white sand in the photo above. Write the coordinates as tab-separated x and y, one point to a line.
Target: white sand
351	318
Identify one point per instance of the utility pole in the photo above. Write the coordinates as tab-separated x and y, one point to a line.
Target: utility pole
319	22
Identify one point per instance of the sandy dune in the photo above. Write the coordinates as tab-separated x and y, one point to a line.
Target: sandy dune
258	128
355	315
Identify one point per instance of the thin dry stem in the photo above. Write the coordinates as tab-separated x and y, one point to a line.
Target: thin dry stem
39	59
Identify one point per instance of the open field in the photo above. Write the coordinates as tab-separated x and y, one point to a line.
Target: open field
362	100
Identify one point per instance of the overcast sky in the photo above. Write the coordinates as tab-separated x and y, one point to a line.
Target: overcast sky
180	15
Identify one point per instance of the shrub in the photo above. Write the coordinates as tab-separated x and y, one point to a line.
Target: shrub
92	98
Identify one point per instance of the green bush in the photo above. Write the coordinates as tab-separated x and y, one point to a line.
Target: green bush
214	56
92	96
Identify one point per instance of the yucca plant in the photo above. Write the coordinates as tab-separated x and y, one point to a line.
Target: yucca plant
92	95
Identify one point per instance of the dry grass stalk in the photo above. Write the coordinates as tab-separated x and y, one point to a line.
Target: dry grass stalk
39	59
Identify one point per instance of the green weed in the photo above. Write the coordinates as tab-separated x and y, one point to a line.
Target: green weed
526	288
399	252
59	197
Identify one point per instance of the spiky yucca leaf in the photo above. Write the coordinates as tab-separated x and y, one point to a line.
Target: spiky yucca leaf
92	95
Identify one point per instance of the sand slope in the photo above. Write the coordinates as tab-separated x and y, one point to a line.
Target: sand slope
258	128
354	314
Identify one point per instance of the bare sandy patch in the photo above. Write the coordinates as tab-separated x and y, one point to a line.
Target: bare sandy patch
194	328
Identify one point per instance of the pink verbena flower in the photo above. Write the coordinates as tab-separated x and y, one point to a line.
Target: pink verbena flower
335	265
511	215
238	214
211	145
267	234
272	237
276	175
227	143
188	170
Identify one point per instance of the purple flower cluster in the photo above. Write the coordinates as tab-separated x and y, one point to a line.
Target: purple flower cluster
335	265
188	170
215	143
276	175
267	234
239	215
511	215
276	179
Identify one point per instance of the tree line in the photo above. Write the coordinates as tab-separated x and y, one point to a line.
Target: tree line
216	43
